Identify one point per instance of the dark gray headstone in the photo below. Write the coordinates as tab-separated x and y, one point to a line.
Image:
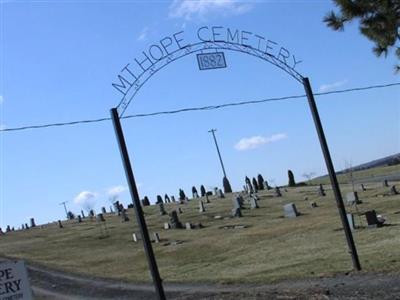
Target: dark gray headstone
8	228
290	210
100	218
207	200
372	219
393	190
237	201
79	219
237	212
124	216
103	210
216	191
352	198
156	237
362	188
321	191
201	207
385	183
277	192
26	226
162	209
174	220
313	205
83	214
60	225
221	194
254	201
173	199
33	222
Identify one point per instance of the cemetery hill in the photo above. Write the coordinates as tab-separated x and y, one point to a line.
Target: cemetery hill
259	234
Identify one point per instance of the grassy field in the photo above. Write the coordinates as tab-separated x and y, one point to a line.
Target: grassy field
271	248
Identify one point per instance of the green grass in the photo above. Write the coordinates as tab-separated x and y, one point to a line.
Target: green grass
270	249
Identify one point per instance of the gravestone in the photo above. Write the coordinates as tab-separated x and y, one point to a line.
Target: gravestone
277	192
237	212
237	201
393	190
117	208
70	215
103	210
245	189
207	200
290	210
8	229
136	237
195	195
188	226
26	226
350	219
33	222
201	207
174	220
221	194
91	213
173	199
385	183
156	237
321	191
60	225
167	226
180	210
83	214
159	199
209	193
167	199
372	219
111	209
254	201
216	191
100	218
313	205
362	188
79	219
124	216
1	231
267	185
352	198
162	209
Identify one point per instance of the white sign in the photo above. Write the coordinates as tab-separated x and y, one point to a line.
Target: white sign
14	283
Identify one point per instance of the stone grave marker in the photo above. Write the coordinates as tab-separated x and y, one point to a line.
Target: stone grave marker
372	220
237	212
100	218
60	225
201	207
167	226
290	210
216	191
173	199
26	226
254	201
393	190
385	183
83	214
156	237
207	199
321	191
33	222
174	220
8	228
180	210
79	219
136	237
277	192
188	226
352	198
221	194
124	216
162	209
362	188
313	205
103	210
350	219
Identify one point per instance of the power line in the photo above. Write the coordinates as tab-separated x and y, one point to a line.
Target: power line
209	107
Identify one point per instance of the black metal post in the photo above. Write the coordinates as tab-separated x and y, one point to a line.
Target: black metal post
138	208
332	174
219	154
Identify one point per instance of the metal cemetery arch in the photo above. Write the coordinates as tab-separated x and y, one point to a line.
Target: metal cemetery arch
130	88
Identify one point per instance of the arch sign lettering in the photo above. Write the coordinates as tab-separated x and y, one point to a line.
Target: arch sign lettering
208	44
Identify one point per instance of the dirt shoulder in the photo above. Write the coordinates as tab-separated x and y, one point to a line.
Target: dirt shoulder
52	284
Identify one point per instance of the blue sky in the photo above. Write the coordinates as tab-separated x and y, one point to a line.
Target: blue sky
59	59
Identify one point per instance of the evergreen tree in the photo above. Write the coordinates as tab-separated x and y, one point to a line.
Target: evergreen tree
227	185
379	21
202	191
255	185
260	180
292	183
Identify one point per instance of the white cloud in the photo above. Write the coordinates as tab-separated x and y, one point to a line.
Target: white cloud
331	86
143	34
201	9
86	199
256	141
116	190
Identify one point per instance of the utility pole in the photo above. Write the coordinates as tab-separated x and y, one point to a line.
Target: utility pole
226	184
65	207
